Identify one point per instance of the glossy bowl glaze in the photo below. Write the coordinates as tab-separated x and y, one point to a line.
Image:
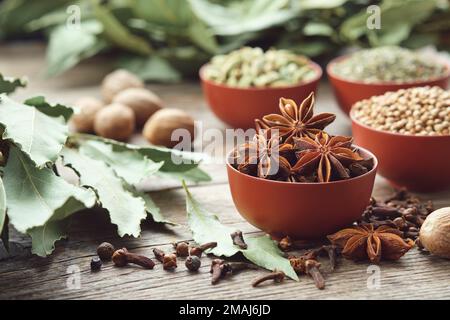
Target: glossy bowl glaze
301	210
419	163
239	107
348	92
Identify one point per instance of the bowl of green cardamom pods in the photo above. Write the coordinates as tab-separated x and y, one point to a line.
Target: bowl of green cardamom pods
247	84
372	72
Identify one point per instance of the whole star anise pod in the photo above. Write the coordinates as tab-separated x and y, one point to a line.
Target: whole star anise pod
263	157
328	156
367	242
296	121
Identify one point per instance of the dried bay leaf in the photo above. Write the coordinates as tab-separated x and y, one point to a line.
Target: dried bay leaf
125	210
128	164
57	110
2	206
36	195
206	227
41	137
44	238
9	85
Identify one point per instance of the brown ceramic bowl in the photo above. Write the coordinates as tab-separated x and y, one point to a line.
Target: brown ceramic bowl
348	92
239	107
301	210
419	163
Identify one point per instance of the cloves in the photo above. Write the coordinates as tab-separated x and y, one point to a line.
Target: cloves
122	257
312	268
308	264
287	244
169	261
181	249
197	251
238	239
220	269
276	276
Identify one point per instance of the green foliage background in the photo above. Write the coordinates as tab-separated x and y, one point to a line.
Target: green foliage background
164	40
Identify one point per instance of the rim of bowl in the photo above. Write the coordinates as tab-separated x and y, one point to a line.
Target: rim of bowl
316	67
407	135
375	166
417	83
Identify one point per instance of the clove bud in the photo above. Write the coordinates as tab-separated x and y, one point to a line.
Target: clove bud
197	251
122	257
238	239
276	276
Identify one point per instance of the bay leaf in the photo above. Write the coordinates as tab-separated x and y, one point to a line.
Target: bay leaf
118	34
128	164
41	137
177	164
55	110
43	238
206	227
125	210
2	205
151	207
9	85
36	195
69	45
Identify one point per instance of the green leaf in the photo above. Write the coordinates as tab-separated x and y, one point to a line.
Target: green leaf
317	29
119	34
152	208
9	85
125	210
57	110
253	16
43	238
177	164
2	205
4	234
69	45
128	164
264	252
206	227
35	195
153	68
41	137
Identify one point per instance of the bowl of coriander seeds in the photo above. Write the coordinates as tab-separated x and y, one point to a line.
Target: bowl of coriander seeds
409	132
247	84
372	72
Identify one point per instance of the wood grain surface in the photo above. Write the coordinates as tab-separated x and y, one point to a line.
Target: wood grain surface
24	276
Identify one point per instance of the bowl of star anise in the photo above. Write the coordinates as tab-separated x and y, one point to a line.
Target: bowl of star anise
295	179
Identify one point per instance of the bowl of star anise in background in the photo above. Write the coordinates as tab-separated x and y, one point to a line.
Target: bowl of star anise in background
295	179
409	131
246	84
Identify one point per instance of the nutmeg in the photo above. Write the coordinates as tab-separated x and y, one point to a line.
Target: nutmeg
159	128
143	102
118	81
85	110
435	233
115	121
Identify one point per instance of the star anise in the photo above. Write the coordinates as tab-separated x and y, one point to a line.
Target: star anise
328	156
263	157
297	121
367	242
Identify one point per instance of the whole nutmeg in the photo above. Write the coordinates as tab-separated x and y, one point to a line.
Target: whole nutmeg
115	121
105	251
86	109
118	81
435	233
143	102
159	128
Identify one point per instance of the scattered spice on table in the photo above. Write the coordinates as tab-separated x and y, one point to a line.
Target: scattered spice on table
415	111
366	242
252	67
389	64
402	210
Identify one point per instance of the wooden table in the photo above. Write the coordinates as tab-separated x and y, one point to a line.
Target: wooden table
24	276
